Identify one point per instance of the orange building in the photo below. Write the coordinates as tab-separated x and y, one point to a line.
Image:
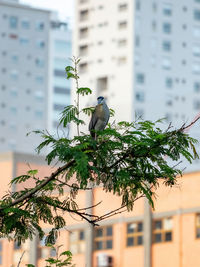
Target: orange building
166	236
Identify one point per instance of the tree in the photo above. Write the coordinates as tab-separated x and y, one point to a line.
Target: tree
127	159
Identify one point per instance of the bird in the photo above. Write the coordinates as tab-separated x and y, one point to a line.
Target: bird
99	117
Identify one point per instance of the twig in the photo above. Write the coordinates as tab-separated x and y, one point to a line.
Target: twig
20	259
190	125
87	188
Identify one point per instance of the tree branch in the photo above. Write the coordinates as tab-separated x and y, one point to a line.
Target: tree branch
40	186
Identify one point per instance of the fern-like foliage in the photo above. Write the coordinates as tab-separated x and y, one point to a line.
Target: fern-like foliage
128	159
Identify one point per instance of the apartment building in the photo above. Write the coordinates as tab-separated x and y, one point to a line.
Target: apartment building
60	51
169	235
143	56
34	49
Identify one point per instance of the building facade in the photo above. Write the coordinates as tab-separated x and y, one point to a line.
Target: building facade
32	45
169	235
60	51
142	58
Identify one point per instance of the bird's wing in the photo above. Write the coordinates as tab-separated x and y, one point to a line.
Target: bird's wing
93	120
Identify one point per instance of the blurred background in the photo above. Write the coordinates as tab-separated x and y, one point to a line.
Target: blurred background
144	58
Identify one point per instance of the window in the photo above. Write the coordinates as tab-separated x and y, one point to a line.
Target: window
122	7
60	90
39	26
77	242
25	24
62	46
162	228
139	96
140	79
122	60
196	104
167	28
17	246
14	58
14	75
137	59
102	84
134	232
137	41
154	25
13	22
169	82
24	41
13	36
58	107
166	45
13	110
39	62
122	25
13	92
40	44
84	15
83	67
59	73
197	225
38	114
196	31
196	68
166	63
196	86
197	14
154	7
122	42
61	63
167	10
39	96
39	79
83	50
196	50
137	5
44	251
103	238
169	101
83	32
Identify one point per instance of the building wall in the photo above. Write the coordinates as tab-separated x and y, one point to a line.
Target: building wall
60	87
24	70
179	205
106	63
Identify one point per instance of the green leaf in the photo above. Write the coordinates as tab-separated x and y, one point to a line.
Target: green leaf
32	172
67	253
88	111
69	68
84	91
20	179
71	75
112	112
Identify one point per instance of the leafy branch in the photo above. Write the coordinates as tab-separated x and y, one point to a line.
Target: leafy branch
128	159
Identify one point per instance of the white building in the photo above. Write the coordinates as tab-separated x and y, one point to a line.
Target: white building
144	56
29	94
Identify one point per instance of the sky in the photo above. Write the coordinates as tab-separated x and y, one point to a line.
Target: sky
64	7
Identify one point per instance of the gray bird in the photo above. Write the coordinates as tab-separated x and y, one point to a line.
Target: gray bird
100	117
